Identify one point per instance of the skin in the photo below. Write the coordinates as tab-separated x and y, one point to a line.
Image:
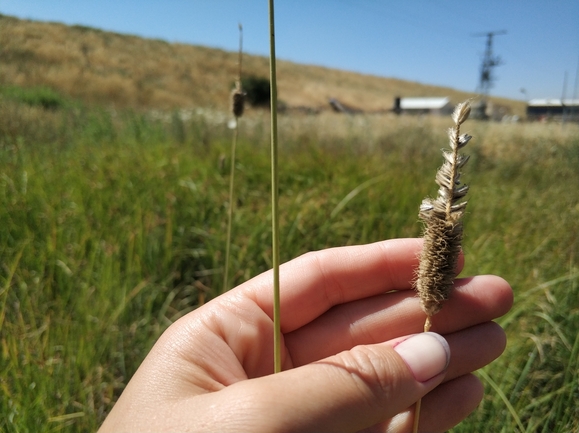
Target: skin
343	312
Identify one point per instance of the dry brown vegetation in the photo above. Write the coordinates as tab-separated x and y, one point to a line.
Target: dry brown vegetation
129	71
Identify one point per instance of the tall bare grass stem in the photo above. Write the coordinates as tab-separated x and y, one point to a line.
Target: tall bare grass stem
274	193
237	107
230	208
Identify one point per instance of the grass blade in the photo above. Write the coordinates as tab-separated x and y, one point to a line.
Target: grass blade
274	194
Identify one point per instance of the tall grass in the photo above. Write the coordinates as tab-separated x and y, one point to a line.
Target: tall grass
113	226
530	235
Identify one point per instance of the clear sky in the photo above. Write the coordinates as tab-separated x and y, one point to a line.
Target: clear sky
430	41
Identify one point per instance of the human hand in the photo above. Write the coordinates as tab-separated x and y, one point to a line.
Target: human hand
349	363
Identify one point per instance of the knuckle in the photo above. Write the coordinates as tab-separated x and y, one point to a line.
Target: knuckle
373	372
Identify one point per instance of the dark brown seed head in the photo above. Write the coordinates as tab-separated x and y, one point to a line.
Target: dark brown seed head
237	100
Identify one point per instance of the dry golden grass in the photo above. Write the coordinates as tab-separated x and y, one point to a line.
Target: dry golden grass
128	71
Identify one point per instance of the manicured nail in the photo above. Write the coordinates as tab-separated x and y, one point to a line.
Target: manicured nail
426	355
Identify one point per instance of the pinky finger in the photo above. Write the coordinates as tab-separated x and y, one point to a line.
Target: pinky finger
450	403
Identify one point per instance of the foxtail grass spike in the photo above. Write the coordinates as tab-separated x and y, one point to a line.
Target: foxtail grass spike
237	100
442	218
237	94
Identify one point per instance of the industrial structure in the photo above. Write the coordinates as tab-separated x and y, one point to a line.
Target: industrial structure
553	109
431	105
486	77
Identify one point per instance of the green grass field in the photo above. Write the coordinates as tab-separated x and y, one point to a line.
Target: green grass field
113	226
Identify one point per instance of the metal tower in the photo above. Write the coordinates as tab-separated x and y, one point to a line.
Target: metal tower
489	62
479	109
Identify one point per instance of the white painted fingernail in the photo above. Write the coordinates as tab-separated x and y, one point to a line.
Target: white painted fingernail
426	355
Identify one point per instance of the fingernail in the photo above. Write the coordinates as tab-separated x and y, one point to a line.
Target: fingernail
426	355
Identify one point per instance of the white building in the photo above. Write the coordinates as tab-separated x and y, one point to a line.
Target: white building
435	105
543	109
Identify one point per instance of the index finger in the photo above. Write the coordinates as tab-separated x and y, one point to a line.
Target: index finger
313	283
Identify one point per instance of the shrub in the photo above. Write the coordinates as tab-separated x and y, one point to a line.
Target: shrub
257	90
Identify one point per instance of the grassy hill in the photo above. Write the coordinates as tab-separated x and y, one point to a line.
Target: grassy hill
128	71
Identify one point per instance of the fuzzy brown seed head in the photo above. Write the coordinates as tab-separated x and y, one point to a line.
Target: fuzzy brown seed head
237	100
443	226
438	262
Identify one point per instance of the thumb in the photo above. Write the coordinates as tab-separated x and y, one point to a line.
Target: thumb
352	390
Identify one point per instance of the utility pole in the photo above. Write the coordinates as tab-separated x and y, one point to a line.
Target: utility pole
486	79
563	98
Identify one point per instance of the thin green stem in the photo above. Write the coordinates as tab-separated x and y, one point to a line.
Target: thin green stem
240	54
230	207
237	114
274	194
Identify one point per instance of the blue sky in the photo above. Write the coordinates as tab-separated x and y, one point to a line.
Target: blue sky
429	41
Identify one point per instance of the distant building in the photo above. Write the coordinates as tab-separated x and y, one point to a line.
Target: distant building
553	109
437	106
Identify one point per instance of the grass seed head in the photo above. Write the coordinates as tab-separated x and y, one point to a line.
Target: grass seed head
461	113
443	225
237	100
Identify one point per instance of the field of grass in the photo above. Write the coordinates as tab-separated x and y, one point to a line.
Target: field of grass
113	226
